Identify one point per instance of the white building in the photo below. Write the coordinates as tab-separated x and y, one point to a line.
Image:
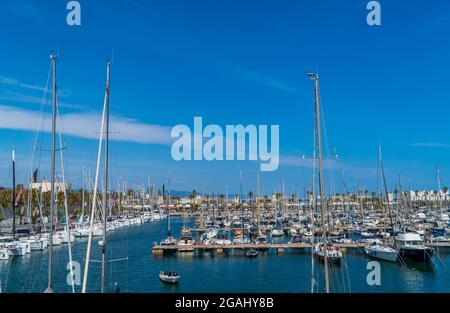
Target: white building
46	186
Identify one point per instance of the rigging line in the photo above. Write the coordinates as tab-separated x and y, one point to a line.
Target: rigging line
348	276
91	222
65	196
343	277
439	258
326	146
39	127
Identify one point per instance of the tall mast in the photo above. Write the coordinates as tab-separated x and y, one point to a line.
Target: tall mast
14	193
105	179
283	204
94	203
82	199
49	289
384	212
213	208
439	201
242	204
313	204
385	188
315	77
257	206
168	212
202	224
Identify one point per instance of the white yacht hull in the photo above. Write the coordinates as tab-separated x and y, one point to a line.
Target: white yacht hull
382	253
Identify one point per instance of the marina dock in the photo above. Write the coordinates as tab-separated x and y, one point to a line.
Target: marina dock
279	247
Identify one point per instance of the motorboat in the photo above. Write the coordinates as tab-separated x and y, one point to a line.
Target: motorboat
169	277
186	243
262	240
411	246
251	253
169	241
334	255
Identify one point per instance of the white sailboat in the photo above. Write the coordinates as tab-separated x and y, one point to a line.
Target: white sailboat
377	250
169	240
381	252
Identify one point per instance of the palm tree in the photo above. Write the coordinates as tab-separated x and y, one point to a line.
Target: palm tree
293	197
221	197
250	195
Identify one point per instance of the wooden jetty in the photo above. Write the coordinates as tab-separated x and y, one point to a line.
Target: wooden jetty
279	247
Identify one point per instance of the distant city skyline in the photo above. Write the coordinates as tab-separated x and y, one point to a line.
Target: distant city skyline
231	62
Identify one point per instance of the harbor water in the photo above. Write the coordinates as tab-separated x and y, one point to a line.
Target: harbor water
133	268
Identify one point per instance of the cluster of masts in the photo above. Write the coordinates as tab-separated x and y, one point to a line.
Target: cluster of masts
94	212
317	217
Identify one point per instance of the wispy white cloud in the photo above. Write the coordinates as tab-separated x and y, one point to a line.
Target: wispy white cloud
15	82
267	81
32	87
22	98
430	145
300	161
329	164
86	125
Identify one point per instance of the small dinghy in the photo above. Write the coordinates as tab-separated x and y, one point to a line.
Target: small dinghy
252	253
169	277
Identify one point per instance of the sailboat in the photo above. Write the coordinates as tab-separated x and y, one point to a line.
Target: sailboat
381	252
186	241
170	240
325	251
377	250
260	238
100	229
49	289
277	231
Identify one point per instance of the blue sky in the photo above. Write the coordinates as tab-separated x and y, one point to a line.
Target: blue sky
233	62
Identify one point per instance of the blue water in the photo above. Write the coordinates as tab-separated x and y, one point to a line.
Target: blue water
269	272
